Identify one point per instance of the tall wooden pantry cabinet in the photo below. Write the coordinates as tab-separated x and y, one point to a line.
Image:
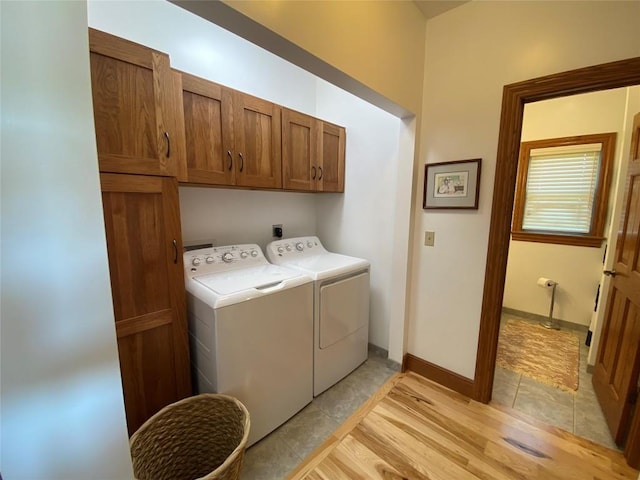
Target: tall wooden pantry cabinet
138	121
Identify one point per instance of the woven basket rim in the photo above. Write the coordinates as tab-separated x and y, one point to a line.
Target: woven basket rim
239	450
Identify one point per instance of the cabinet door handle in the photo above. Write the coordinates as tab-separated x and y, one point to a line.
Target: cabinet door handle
166	135
230	159
175	251
241	161
320	170
313	175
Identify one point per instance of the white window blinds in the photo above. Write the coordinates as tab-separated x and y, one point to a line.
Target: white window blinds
561	185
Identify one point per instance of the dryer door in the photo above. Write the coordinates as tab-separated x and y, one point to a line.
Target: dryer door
344	308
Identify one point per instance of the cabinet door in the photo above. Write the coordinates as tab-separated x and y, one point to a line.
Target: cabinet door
299	151
208	126
258	142
142	224
331	175
135	104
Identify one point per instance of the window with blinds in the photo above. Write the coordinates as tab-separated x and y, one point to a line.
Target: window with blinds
561	187
562	190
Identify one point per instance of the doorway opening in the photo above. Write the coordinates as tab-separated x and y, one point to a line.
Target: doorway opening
573	149
602	77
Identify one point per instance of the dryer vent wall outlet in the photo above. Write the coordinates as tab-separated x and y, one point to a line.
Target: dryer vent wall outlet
277	231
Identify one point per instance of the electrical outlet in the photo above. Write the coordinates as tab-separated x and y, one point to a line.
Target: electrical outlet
429	239
277	231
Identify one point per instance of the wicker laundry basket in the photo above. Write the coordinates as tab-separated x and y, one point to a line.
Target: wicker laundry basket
201	437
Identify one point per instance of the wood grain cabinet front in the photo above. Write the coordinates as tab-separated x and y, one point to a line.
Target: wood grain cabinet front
300	151
136	104
208	130
313	153
142	224
231	138
332	155
258	140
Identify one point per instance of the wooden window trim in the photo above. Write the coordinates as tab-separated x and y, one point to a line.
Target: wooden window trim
601	199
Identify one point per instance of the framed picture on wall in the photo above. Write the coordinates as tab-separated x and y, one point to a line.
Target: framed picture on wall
452	184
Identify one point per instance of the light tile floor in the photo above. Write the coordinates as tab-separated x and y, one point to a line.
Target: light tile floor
276	455
578	412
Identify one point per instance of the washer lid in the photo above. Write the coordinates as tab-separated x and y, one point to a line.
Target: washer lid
243	279
326	265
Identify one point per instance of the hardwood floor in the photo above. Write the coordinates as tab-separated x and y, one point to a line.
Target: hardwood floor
415	429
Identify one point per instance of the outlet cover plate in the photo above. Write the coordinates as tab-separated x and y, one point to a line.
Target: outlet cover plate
429	239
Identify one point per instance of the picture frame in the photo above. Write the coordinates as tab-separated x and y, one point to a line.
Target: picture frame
452	185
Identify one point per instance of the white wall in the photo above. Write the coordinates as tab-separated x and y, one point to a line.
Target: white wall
62	406
359	222
471	52
576	269
244	216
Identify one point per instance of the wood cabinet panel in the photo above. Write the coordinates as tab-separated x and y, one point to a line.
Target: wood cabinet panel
153	120
148	355
135	225
331	176
299	151
313	153
142	226
208	126
134	102
257	126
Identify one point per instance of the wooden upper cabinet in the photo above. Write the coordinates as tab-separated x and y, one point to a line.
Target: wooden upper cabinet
136	104
142	225
313	153
231	138
300	154
258	137
208	129
332	148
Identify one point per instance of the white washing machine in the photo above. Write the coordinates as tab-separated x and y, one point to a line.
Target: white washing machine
251	331
340	307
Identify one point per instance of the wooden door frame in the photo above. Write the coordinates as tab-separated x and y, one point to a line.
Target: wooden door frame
618	74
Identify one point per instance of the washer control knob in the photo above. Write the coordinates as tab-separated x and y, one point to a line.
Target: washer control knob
288	247
299	246
209	259
309	244
243	254
196	261
254	253
227	257
280	249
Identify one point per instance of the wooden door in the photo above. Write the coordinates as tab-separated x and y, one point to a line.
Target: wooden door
615	377
208	125
258	142
331	170
136	107
299	151
142	223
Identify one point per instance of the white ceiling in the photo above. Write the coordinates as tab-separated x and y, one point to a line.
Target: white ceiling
431	8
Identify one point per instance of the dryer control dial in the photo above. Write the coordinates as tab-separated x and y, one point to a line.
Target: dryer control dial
209	260
196	261
227	257
280	249
254	253
309	244
288	247
299	246
243	254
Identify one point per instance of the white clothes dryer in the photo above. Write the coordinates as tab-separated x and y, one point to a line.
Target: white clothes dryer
251	331
340	307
